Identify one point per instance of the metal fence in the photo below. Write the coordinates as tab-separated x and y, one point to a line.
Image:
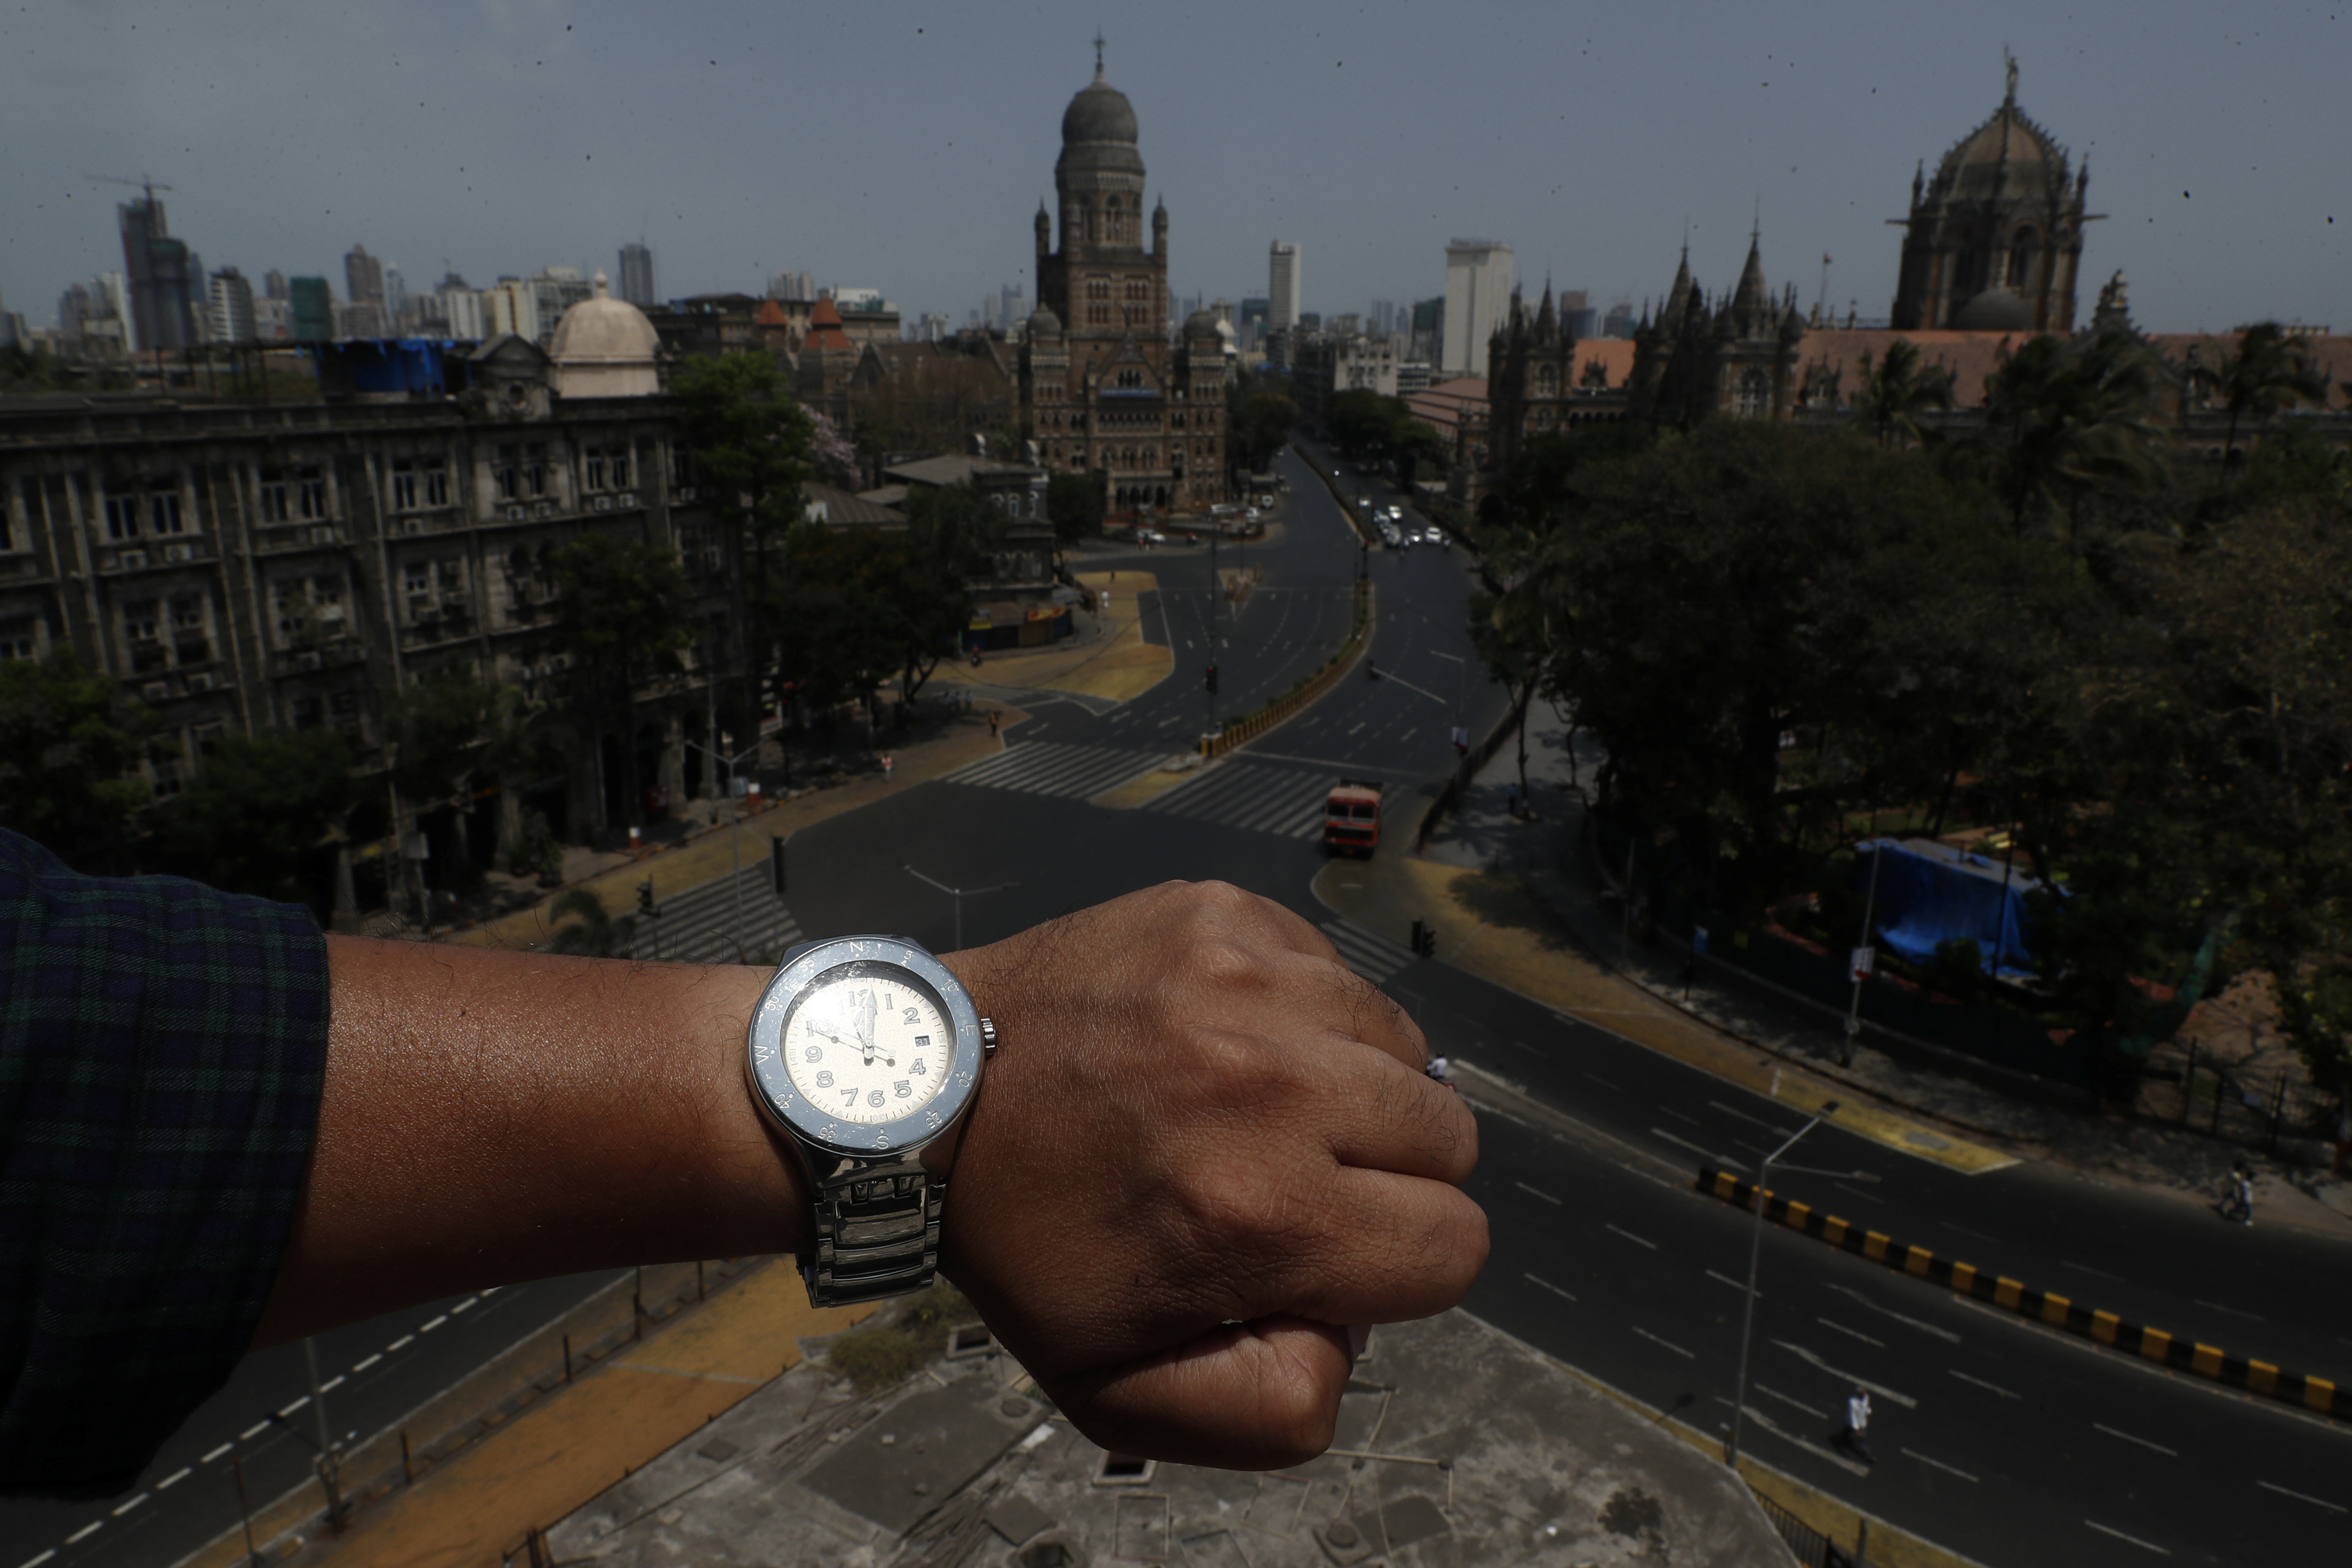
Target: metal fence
2258	1111
1810	1548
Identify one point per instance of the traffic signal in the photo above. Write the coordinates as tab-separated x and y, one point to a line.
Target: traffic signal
646	898
1424	939
1209	680
1371	669
776	865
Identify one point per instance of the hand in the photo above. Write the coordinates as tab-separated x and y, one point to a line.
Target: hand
1205	1148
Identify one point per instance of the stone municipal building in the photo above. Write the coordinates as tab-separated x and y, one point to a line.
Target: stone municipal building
1103	390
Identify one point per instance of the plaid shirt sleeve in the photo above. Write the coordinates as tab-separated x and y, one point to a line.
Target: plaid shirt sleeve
163	1049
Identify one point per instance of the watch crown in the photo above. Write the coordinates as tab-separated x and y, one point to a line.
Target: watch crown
987	1037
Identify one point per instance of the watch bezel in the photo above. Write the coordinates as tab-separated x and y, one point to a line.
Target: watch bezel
784	1104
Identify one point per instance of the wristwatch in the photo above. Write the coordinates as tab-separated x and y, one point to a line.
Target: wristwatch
863	1051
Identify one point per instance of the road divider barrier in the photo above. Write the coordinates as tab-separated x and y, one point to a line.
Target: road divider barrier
1257	722
2302	1391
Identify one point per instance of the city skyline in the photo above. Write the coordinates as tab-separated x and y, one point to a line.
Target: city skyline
504	137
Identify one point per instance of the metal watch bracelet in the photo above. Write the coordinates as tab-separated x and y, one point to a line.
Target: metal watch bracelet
878	1232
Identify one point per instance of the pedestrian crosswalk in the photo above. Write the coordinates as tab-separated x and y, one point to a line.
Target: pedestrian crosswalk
1047	767
1286	802
705	925
1375	958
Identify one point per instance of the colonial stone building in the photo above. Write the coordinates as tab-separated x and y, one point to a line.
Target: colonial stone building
1103	389
1536	383
1993	242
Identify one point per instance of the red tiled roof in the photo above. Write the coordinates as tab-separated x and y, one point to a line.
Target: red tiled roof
825	329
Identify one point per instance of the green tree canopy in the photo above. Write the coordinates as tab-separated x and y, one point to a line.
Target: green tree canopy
436	729
261	805
1259	415
624	616
1075	504
1897	390
68	735
2268	372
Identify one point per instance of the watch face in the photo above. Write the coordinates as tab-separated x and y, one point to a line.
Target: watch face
867	1043
864	1045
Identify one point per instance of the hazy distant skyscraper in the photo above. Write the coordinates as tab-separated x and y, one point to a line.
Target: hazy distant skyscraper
1477	291
163	297
362	277
273	284
314	309
637	274
792	286
232	308
1282	286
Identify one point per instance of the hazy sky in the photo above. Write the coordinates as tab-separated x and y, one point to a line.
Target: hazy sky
906	147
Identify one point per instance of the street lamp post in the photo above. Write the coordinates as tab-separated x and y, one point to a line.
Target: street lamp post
959	895
734	831
1755	1255
1863	955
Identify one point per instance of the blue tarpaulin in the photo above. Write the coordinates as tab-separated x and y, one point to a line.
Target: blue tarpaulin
1930	893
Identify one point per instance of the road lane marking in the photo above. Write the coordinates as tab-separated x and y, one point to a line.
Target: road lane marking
363	1365
1939	1464
1945	1334
1550	1286
1753	1121
2235	1311
1667	1343
1980	1383
2094	1273
2168	1453
332	1384
37	1562
1964	1230
1735	1284
1636	1240
2303	1497
85	1532
1359	723
293	1407
1522	1045
435	1324
250	1432
1687	1144
466	1305
1905	1400
1678	1116
1538	1191
1793	1403
1857	1192
217	1453
1851	1333
125	1507
401	1344
2135	1541
1856	1465
176	1477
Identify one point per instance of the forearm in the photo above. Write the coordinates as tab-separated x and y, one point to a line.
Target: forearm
494	1116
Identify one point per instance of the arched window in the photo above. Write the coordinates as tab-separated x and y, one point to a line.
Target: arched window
1547	383
1752	395
2021	247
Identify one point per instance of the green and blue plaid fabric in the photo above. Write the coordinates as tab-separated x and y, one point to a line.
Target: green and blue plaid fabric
163	1048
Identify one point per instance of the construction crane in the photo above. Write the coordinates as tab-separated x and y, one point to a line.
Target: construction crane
143	183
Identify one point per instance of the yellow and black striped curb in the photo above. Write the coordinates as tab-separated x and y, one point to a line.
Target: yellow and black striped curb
2046	1307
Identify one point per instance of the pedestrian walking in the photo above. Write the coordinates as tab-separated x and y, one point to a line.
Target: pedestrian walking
1437	1068
991	723
2239	1204
889	761
1856	1434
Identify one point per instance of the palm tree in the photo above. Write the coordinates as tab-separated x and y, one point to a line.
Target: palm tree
1897	392
2269	372
585	929
2065	416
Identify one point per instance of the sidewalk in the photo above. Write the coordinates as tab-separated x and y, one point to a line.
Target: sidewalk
1515	901
475	1505
714	852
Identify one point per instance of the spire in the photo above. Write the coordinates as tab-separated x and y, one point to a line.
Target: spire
1672	314
1547	322
2008	100
1099	50
1749	297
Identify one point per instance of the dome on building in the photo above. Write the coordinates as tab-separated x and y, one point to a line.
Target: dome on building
2000	308
1099	133
1044	323
604	347
1199	322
